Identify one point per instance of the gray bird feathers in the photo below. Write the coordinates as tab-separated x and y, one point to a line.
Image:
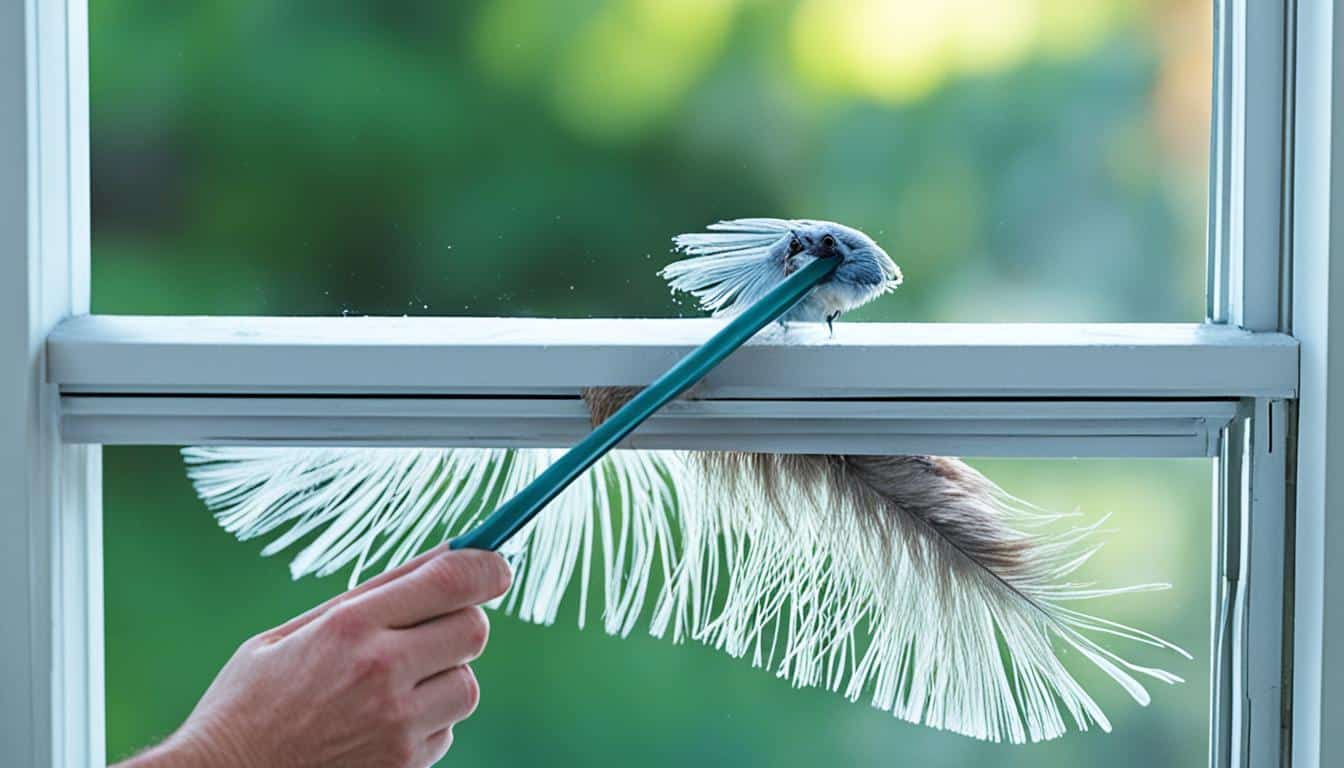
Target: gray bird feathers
736	262
913	582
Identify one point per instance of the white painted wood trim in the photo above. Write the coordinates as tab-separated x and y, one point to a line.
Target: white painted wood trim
1318	320
51	699
1228	497
967	428
1258	596
1250	133
458	356
1249	277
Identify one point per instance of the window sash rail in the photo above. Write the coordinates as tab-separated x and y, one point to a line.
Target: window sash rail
173	356
1056	428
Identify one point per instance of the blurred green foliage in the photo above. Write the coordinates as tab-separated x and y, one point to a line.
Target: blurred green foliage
459	158
1033	159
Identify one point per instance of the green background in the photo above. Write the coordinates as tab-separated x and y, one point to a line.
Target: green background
1024	160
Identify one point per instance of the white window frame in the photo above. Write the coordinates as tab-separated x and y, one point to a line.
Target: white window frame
1232	388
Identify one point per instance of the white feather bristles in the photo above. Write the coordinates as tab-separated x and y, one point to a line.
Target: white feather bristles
861	575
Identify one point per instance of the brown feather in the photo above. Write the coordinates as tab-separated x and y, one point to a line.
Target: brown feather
907	496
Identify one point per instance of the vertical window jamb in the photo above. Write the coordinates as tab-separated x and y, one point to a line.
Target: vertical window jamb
50	536
1254	178
1216	278
1258	599
1247	279
1317	229
1226	558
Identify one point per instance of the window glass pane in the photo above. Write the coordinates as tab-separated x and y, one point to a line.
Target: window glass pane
181	594
1028	159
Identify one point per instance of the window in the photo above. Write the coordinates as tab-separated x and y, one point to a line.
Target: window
1036	160
1227	389
641	695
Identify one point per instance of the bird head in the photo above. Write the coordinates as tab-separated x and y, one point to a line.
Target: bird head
865	271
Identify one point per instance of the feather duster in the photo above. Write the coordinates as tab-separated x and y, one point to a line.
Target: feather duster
913	582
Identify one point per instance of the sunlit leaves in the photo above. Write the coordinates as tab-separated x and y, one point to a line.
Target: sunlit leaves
613	70
901	50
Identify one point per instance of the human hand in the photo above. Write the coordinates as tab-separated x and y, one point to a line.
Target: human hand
376	676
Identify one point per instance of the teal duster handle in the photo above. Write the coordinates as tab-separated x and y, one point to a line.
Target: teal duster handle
514	513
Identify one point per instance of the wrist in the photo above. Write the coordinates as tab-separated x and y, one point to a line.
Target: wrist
191	747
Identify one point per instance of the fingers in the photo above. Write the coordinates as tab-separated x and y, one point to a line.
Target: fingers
446	642
303	619
446	698
442	584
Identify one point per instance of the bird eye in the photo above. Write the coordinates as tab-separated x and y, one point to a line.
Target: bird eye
795	246
828	241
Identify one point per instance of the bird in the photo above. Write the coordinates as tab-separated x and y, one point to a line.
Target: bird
912	581
737	262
